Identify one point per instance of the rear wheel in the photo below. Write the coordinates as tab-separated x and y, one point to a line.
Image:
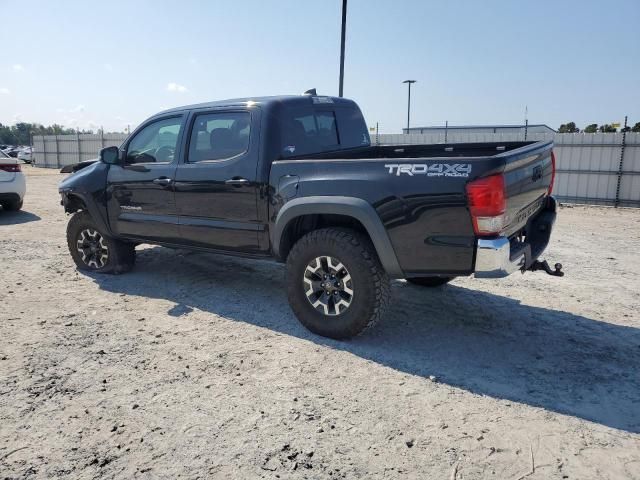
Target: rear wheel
336	285
430	281
92	250
12	205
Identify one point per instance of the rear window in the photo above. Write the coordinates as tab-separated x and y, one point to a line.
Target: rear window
307	130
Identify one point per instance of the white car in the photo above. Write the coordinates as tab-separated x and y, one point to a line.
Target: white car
26	155
12	183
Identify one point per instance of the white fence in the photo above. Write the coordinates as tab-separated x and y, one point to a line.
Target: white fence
55	151
593	168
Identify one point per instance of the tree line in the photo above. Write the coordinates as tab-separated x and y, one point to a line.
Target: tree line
20	133
595	128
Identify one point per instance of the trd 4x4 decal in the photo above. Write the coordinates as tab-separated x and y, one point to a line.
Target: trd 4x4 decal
434	170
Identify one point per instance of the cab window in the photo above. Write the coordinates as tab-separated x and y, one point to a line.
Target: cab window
219	136
155	143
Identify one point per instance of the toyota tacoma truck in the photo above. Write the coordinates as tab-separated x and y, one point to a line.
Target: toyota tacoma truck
296	179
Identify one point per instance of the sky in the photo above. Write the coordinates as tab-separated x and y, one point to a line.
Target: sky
89	64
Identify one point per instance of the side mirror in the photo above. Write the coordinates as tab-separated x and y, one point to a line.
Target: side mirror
110	155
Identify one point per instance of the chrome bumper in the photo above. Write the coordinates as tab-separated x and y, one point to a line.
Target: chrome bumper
493	259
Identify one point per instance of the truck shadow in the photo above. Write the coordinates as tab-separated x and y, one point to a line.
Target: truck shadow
481	342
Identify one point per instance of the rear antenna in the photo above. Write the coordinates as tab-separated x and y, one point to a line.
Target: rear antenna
311	91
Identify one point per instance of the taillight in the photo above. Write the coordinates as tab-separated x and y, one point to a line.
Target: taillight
11	167
487	204
553	171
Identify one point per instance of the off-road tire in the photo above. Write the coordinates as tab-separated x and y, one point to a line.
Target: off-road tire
430	281
370	283
121	256
12	205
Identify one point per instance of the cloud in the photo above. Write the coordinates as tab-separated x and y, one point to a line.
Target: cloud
176	87
4	91
80	108
17	68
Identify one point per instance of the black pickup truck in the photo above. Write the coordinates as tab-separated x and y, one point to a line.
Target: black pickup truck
296	179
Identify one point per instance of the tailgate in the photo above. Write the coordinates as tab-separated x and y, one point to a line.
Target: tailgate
528	174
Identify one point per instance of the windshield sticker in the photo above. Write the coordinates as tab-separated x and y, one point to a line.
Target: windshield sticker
434	170
290	148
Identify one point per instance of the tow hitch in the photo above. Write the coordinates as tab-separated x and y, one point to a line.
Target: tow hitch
537	265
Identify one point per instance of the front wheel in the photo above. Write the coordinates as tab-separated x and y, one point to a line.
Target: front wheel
336	285
92	250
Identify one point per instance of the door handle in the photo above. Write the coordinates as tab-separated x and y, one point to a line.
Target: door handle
237	181
164	181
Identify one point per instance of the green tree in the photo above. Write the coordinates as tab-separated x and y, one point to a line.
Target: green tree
606	128
636	128
20	133
568	128
593	128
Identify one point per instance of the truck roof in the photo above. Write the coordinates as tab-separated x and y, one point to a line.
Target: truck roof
289	100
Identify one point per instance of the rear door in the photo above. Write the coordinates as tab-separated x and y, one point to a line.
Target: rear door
216	186
140	193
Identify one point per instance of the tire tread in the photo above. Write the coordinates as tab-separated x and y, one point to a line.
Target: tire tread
123	253
338	237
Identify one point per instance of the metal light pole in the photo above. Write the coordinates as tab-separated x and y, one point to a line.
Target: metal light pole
344	28
409	82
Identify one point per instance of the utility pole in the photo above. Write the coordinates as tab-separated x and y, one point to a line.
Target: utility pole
342	39
409	82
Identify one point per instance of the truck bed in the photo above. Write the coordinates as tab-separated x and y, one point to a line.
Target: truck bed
419	192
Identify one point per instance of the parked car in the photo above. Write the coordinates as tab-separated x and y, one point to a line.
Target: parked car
295	179
12	183
26	155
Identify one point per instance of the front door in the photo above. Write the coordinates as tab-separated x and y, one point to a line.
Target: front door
216	185
140	193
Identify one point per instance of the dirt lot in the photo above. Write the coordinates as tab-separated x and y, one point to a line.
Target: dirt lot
193	366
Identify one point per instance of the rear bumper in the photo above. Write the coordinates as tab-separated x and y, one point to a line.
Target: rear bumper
16	186
499	257
9	197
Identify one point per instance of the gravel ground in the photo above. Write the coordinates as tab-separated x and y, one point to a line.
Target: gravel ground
193	366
